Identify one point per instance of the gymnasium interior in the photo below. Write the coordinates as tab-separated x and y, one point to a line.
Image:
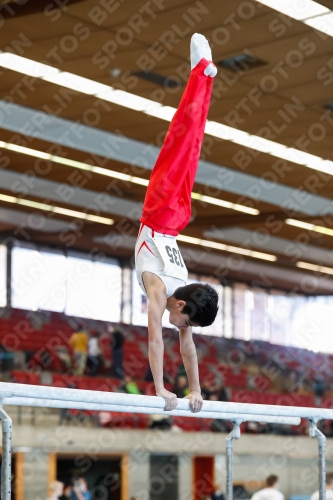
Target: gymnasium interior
88	91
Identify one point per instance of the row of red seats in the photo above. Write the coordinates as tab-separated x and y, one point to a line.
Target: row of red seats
267	398
135	358
80	382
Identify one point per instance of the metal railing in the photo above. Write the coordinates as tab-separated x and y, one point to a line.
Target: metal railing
54	397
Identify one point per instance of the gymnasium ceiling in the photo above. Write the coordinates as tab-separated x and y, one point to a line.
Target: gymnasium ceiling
282	93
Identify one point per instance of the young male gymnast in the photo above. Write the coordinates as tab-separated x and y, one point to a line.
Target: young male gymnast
160	269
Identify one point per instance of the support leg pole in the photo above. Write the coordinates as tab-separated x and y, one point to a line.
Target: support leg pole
229	455
322	465
316	433
234	434
6	473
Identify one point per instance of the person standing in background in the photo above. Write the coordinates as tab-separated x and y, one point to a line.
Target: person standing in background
271	491
56	489
117	344
79	343
80	490
181	388
329	488
95	358
129	386
217	493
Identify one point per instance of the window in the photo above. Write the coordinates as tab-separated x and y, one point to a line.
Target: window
280	309
241	307
77	285
228	312
93	288
127	296
259	315
38	279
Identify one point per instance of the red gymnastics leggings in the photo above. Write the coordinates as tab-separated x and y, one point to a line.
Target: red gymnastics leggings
167	205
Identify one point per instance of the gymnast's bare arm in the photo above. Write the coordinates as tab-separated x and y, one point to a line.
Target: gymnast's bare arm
190	359
155	289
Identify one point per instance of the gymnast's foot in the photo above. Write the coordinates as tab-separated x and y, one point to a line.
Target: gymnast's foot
200	49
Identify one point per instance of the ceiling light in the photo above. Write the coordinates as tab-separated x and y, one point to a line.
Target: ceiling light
8	199
322	23
54	209
128	100
314	267
226	248
296	9
26	66
225	204
76	82
162	112
118	175
34	204
152	108
307	11
310	227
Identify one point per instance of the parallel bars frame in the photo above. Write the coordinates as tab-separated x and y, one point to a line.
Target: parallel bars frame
55	397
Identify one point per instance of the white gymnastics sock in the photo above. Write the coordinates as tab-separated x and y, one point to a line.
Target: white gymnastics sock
200	49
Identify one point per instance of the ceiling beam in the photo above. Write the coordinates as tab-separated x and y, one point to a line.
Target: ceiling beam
98	142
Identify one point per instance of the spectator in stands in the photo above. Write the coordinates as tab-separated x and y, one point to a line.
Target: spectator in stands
79	343
80	490
222	393
319	388
67	492
217	493
56	489
64	356
129	386
161	422
329	488
117	344
181	371
271	491
219	425
181	388
206	389
95	358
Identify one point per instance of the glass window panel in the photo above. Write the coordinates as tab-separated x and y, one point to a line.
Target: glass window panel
259	315
80	287
3	276
228	312
93	289
127	296
107	285
318	335
298	326
241	300
28	270
38	279
280	318
53	282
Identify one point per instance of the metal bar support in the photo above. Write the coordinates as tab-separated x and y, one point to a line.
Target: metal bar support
234	434
316	433
6	473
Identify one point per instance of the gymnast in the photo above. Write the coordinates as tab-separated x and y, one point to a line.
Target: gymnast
160	268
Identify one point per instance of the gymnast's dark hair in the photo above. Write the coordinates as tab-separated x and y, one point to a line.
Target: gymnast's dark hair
201	302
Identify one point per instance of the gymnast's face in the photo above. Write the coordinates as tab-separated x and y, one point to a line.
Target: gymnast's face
177	318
